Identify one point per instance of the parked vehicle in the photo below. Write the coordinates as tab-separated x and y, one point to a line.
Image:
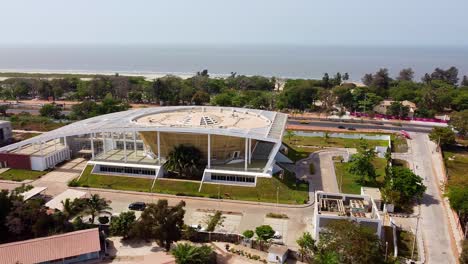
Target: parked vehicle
137	206
341	127
351	128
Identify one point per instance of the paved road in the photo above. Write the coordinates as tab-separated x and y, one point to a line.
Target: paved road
332	124
434	223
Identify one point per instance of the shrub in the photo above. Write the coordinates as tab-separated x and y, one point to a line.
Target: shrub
279	216
73	183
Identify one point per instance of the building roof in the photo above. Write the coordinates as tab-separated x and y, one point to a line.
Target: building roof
279	250
51	248
56	202
404	103
372	192
34	191
228	121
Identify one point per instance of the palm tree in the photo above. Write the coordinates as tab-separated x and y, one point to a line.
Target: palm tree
184	161
327	137
290	134
185	253
95	205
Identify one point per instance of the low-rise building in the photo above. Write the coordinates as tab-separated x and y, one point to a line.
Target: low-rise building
331	207
382	107
277	253
73	247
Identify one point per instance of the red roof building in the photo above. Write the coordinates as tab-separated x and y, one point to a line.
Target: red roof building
70	247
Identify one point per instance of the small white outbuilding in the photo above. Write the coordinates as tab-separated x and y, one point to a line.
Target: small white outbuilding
277	254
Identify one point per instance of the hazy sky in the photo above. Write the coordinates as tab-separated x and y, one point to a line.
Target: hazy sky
304	22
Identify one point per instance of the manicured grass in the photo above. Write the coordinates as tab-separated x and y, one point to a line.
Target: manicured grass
290	192
350	182
296	153
21	175
333	142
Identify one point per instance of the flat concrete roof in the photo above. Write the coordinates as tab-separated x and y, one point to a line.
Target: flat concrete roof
207	117
34	149
56	202
228	121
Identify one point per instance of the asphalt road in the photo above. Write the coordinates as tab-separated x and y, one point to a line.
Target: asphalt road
334	124
434	224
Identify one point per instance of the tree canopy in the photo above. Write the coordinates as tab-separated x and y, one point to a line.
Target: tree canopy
351	242
160	222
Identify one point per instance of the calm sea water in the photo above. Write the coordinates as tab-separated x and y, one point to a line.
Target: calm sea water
283	61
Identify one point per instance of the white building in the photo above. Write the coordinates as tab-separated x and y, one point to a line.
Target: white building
331	207
238	145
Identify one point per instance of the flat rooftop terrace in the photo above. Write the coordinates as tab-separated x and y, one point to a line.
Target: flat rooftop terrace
348	207
207	117
38	150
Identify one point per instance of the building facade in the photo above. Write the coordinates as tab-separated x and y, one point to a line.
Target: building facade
237	145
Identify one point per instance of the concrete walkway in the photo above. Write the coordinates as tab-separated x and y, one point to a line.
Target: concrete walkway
324	178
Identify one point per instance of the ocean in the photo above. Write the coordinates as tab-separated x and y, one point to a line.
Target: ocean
280	61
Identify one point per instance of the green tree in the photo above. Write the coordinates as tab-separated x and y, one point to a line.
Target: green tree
352	243
94	206
161	222
51	111
458	197
185	253
4	109
184	161
406	75
326	257
248	234
398	109
122	224
306	246
200	98
264	233
464	254
403	187
290	134
443	136
361	165
459	120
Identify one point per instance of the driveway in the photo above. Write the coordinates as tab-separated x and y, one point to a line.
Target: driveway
56	180
324	178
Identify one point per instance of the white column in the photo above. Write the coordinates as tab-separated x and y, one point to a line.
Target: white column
92	146
125	146
159	149
65	141
55	144
104	150
209	151
250	150
134	144
246	153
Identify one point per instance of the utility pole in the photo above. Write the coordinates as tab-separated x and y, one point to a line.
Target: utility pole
416	232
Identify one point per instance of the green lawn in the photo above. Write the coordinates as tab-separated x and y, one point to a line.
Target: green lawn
296	153
332	142
350	184
457	166
265	191
21	175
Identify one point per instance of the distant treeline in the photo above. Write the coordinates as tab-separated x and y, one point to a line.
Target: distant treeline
439	91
